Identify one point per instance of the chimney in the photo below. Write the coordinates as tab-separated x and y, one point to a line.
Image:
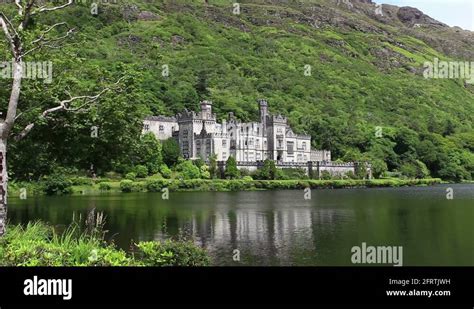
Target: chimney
224	126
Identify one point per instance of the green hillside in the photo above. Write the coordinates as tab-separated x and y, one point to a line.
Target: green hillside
366	72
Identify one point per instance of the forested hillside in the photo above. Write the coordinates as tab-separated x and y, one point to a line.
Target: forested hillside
366	77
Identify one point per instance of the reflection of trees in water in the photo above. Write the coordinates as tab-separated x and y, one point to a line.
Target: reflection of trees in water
265	234
261	225
275	227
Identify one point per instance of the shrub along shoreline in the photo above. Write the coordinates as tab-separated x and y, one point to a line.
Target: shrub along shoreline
38	244
249	185
151	184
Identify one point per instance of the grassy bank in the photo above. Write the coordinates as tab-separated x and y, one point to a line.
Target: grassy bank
37	244
89	186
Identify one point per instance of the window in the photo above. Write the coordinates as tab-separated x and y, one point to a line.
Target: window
224	143
258	130
162	127
198	146
224	156
304	145
185	149
289	146
146	127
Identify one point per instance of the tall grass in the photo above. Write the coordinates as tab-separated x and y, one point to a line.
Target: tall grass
83	243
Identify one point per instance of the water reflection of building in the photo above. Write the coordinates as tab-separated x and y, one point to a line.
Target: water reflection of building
267	232
274	233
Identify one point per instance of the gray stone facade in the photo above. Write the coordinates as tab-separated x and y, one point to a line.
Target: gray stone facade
199	136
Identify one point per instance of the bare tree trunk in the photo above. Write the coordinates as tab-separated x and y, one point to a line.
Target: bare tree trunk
3	185
14	38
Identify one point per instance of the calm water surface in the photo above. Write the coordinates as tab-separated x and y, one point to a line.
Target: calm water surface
281	227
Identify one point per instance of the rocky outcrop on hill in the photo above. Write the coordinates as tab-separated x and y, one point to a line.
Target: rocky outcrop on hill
412	16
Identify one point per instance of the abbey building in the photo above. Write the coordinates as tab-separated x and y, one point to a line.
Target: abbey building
200	135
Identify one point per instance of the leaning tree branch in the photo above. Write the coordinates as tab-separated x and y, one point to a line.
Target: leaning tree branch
41	38
20	7
64	105
31	8
49	9
42	42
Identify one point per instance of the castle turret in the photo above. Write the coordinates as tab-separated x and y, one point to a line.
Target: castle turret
206	109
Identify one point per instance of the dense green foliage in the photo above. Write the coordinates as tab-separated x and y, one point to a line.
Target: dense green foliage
57	183
171	253
188	170
156	184
213	170
268	171
231	171
426	125
250	184
37	244
171	151
149	155
126	185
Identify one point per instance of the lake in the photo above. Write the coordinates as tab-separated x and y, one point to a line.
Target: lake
282	227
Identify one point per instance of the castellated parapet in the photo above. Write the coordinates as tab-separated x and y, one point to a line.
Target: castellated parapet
200	135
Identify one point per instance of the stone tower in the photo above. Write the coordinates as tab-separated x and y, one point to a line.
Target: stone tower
206	110
276	137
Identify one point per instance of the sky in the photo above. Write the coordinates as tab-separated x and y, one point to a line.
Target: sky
452	12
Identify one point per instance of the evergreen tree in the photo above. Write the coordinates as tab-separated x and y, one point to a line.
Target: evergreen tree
199	162
269	170
171	151
231	170
149	153
213	166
